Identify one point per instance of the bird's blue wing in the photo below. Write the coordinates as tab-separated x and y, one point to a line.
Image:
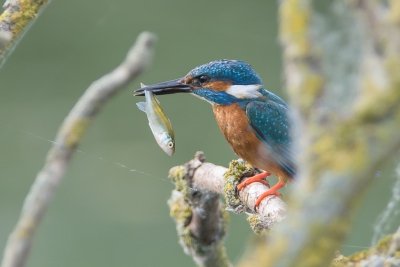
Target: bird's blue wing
272	124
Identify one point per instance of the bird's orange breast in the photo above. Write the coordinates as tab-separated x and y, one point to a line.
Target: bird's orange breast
233	122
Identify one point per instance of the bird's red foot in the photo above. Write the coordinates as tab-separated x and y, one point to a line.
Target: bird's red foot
272	191
260	178
256	178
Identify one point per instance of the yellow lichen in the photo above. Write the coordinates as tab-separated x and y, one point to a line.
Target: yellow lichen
376	105
177	175
256	222
180	209
225	219
28	11
311	87
182	212
384	243
381	248
301	54
344	146
294	24
392	65
76	131
342	149
26	231
338	259
394	12
18	18
237	168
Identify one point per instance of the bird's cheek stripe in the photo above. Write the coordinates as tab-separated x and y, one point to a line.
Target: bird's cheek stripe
218	86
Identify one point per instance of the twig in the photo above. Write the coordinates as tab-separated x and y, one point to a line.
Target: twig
16	16
67	139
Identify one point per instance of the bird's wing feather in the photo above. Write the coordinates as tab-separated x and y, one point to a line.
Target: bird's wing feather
272	125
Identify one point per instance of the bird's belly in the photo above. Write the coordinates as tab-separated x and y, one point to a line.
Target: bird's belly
232	121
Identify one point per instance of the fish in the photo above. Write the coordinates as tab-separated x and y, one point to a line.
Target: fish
159	123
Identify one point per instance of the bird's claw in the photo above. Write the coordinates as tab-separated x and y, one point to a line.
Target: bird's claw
256	178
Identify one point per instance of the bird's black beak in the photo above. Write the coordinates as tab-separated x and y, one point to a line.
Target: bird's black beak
164	88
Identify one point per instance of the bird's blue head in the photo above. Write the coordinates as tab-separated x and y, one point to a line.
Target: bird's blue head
235	72
220	82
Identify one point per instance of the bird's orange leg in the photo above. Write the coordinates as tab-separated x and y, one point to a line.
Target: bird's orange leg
256	178
272	191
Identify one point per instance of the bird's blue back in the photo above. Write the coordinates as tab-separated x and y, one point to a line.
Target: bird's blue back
272	125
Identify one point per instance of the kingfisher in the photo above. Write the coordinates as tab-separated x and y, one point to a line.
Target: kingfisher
256	123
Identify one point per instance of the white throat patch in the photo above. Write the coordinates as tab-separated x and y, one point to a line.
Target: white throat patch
245	91
212	103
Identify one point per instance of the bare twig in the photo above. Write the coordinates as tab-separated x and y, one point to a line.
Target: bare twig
67	139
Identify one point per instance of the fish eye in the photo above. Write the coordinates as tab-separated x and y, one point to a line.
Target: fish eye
170	144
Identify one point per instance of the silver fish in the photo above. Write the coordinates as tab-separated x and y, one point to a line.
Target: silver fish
159	123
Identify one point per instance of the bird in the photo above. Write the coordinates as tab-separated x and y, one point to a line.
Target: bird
256	123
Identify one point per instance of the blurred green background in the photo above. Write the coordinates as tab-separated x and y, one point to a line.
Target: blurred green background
104	214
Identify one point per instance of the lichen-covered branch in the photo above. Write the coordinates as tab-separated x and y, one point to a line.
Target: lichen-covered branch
385	254
303	73
348	121
16	16
201	177
271	209
66	141
201	219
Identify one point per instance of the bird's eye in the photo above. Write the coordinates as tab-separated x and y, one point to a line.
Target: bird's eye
170	144
203	79
200	80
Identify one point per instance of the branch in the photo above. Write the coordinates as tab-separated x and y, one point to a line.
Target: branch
224	181
346	96
386	253
202	176
201	220
15	18
66	141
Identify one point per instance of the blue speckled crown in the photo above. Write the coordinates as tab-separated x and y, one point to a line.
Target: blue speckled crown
235	71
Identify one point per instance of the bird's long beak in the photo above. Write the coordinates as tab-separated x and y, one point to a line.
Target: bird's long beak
170	87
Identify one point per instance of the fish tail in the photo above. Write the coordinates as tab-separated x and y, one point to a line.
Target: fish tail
141	106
